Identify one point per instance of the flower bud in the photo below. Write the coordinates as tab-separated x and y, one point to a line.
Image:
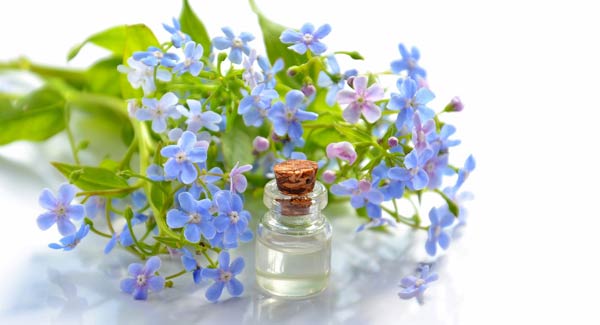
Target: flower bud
328	176
292	71
392	142
260	144
222	57
350	81
455	105
308	90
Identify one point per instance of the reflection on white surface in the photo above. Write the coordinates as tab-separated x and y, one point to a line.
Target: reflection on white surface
82	286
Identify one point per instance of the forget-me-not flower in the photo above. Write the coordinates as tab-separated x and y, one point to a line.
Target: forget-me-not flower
69	242
237	180
436	167
269	71
124	237
232	220
421	132
413	286
191	265
154	56
193	216
306	39
60	210
287	117
158	111
191	62
238	44
224	276
440	142
251	76
95	206
333	79
143	278
141	75
391	189
362	194
441	218
253	107
197	119
409	100
409	63
178	38
413	174
182	158
361	100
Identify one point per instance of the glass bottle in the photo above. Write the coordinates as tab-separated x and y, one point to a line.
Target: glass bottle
293	241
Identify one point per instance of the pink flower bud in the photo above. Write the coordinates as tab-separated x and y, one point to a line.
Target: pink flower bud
260	144
329	176
392	142
350	82
455	105
308	90
343	150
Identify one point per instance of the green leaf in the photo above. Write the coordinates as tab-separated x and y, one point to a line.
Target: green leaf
193	26
35	117
157	196
93	178
103	77
111	39
171	242
275	48
237	143
451	204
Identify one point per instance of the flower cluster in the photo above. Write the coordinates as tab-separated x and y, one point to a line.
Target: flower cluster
209	119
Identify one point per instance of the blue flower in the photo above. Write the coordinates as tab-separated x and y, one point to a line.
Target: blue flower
124	237
154	56
177	36
238	44
224	276
194	217
421	132
410	100
269	71
143	278
156	173
362	194
333	79
287	117
197	119
232	220
191	63
158	111
306	38
391	189
95	206
413	174
415	286
463	174
440	218
298	155
440	142
237	180
182	158
69	242
250	76
191	265
290	144
141	75
436	167
207	179
408	63
60	210
253	107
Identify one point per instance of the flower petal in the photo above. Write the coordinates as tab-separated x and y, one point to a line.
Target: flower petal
177	219
214	291
128	285
237	266
65	226
156	283
192	233
211	273
47	199
224	260
66	193
46	220
235	287
152	265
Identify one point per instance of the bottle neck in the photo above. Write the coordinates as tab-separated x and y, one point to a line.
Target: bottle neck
295	213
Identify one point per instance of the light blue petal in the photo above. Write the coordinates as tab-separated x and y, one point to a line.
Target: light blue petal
192	233
431	247
135	269
317	47
424	96
47	199
177	219
66	193
221	223
397	173
46	220
208	230
111	244
75	212
211	273
156	283
294	98
170	151
235	55
373	210
128	285
420	180
65	226
444	240
299	48
159	124
152	265
197	155
221	43
230	234
188	173
140	293
214	291
235	287
187	202
224	260
322	31
290	36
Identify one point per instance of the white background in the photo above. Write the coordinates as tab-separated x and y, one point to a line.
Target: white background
527	73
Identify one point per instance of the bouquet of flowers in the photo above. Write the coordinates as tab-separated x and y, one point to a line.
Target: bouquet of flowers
204	120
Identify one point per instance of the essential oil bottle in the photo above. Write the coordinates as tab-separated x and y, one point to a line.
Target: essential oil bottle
293	242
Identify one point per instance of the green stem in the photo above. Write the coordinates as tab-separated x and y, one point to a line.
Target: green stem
130	151
107	215
403	219
98	232
67	117
212	263
173	276
135	241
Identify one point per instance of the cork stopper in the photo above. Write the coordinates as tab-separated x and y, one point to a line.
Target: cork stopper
296	177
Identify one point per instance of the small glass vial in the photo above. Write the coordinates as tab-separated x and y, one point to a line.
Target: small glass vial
293	241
